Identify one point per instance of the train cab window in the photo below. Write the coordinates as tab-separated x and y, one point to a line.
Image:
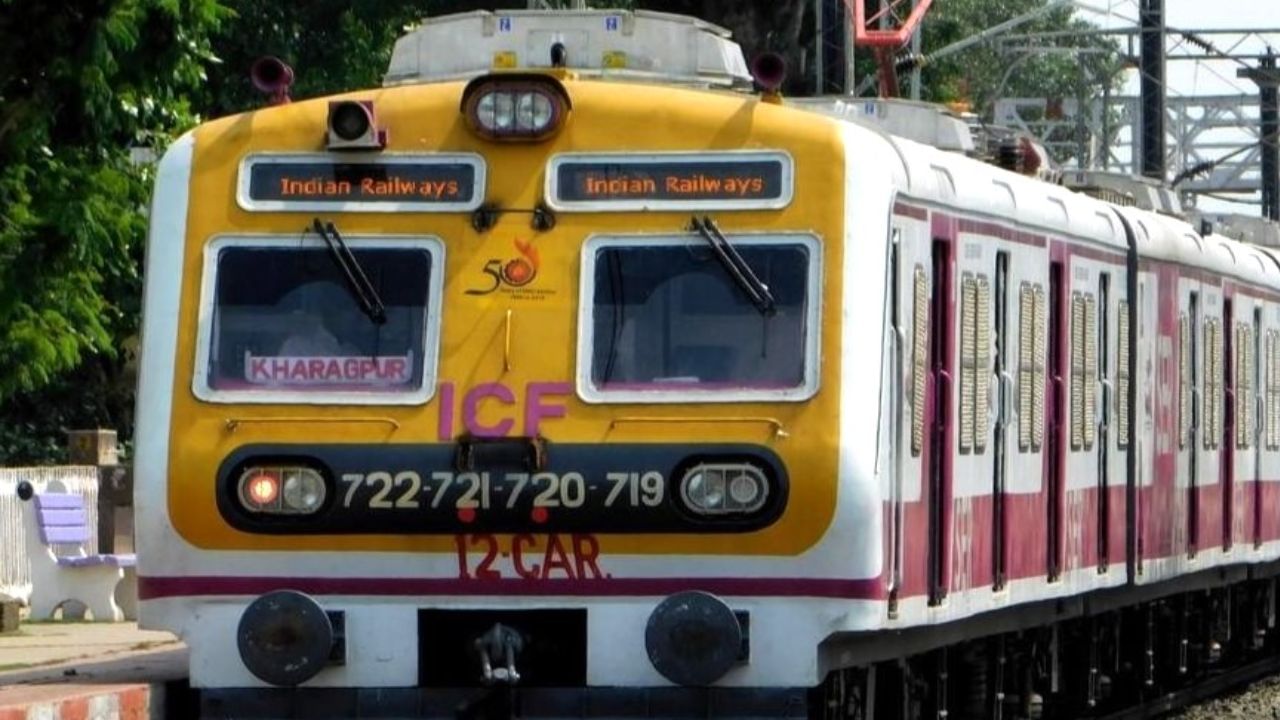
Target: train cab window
282	323
663	320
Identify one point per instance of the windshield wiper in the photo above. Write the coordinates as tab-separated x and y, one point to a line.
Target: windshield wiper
737	268
357	282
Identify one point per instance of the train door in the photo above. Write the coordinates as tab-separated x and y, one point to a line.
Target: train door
1104	422
1057	424
905	282
998	520
941	376
1257	412
1226	453
1192	408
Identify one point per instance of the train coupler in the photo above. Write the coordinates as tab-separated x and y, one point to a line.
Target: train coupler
498	649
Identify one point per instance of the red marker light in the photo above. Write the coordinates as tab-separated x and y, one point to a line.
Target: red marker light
539	515
466	515
263	489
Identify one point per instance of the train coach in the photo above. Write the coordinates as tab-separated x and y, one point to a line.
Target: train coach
566	376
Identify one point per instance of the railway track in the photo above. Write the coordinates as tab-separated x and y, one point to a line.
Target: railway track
1209	688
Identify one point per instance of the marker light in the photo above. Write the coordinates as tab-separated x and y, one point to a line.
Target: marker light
724	489
521	109
304	491
291	490
262	489
352	125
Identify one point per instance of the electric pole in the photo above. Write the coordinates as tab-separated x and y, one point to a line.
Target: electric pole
1268	80
1151	19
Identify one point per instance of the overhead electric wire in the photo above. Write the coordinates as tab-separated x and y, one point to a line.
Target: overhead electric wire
1208	165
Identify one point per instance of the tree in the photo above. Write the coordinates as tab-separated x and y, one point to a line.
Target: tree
983	73
333	45
81	86
757	25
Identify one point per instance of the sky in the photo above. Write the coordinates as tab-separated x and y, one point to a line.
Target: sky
1203	77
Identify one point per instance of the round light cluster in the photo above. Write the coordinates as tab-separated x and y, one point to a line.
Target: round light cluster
282	490
724	489
519	112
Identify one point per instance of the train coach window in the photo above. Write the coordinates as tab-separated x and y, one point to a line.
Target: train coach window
1084	370
282	324
1184	379
1273	390
919	356
1122	377
1090	370
975	362
663	321
1031	367
1212	383
1244	370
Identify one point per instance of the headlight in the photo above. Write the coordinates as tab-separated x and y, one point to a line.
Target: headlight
304	491
290	490
724	489
515	109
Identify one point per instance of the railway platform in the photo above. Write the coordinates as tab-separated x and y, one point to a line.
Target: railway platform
88	671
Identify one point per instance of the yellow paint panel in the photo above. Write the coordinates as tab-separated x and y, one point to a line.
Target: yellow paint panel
539	344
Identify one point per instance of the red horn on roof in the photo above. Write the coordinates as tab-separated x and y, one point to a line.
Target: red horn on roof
270	75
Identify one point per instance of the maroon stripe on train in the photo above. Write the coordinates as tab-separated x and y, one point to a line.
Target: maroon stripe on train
910	211
154	587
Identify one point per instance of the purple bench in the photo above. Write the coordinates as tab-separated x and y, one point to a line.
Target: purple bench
61	569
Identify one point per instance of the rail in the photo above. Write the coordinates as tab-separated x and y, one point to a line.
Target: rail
1211	687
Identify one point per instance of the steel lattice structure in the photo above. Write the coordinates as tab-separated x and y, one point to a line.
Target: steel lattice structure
1198	130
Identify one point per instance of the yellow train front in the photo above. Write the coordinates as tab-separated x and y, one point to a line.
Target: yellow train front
520	380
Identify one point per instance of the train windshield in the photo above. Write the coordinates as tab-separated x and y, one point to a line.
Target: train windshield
667	319
284	321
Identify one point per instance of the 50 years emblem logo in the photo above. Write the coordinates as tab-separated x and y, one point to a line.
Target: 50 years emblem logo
513	272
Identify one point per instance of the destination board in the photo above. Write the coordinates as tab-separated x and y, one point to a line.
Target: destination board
433	183
670	181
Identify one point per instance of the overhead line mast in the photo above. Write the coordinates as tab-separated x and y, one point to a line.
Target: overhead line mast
1268	80
1151	19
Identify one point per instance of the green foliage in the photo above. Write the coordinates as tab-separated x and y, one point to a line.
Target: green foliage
333	46
81	85
97	393
1075	67
84	83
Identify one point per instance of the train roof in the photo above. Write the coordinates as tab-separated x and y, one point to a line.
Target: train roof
952	178
626	45
935	144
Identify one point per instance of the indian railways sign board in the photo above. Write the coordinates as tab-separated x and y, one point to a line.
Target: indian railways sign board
605	182
439	182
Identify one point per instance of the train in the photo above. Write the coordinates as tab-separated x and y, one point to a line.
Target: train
574	372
